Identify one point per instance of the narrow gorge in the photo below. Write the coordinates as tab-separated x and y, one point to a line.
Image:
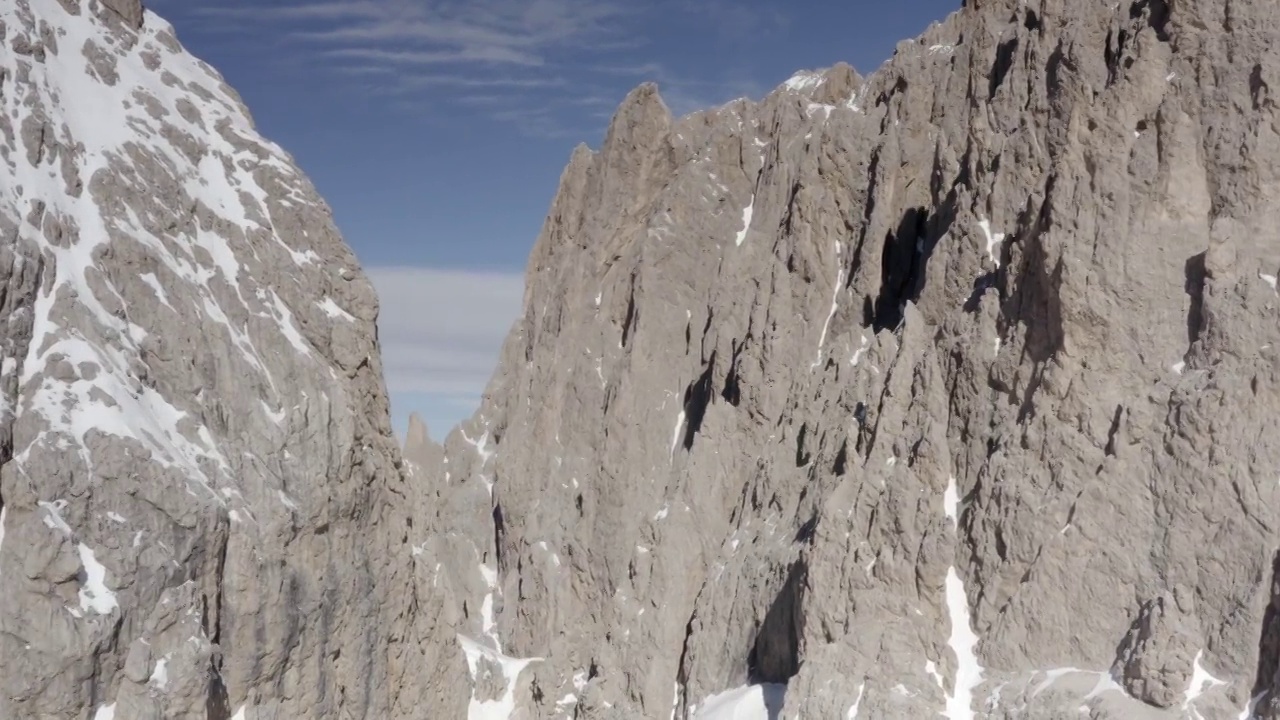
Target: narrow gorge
943	391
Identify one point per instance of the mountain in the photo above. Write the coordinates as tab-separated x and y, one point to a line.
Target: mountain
944	391
201	501
949	390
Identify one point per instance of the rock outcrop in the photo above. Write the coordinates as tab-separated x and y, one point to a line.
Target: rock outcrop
950	389
201	500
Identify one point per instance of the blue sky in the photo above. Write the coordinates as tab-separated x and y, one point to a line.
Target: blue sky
437	129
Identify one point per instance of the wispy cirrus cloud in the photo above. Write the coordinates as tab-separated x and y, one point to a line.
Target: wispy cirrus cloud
566	63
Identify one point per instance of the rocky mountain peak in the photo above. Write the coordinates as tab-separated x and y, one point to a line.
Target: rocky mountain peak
193	423
942	390
947	390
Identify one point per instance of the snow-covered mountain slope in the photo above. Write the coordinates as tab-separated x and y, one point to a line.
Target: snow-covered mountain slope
199	511
945	392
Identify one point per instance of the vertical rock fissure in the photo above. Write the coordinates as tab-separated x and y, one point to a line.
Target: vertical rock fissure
775	655
1267	679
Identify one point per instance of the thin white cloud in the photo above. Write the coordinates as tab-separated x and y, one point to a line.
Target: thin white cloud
580	56
434	57
441	330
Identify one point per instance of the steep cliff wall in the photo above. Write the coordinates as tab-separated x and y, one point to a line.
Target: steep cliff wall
201	502
949	389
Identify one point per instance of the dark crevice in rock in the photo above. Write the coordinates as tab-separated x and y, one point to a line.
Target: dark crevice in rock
217	704
790	214
905	259
1005	53
1194	287
1157	15
899	86
1115	429
775	655
902	265
1036	303
682	674
1259	90
1031	21
697	397
499	529
840	466
981	285
1267	680
808	529
732	392
802	456
1115	54
629	322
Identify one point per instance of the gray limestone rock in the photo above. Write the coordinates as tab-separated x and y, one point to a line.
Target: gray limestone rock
948	389
202	507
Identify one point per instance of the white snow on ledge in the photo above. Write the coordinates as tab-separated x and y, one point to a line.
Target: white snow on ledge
675	434
1269	280
747	212
1200	681
95	596
826	326
951	502
993	241
502	708
804	80
963	642
857	703
749	702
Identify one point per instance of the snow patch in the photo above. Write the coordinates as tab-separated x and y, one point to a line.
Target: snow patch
963	642
835	303
675	434
993	240
286	500
857	354
747	212
951	501
1201	681
1251	709
154	283
510	669
1268	279
481	446
160	676
750	702
333	310
804	80
1105	682
857	702
108	712
53	515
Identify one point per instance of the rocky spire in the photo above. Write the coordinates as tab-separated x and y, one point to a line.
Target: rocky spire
947	390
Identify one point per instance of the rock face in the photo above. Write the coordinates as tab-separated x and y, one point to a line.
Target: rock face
951	389
201	508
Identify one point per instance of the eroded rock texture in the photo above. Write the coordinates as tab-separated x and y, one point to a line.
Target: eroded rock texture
201	502
948	389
